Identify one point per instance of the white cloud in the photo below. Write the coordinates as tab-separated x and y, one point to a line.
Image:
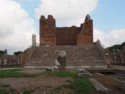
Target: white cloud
110	38
16	28
72	11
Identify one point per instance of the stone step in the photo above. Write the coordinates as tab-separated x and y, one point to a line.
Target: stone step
75	55
99	87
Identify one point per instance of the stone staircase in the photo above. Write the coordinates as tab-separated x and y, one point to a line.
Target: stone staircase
86	55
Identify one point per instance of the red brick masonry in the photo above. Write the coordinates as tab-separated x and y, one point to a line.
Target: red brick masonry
55	36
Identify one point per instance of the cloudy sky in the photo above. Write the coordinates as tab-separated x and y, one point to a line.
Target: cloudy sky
19	19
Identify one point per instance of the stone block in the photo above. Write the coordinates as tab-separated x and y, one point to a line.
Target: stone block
99	87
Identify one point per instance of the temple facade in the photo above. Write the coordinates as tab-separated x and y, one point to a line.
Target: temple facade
75	42
57	36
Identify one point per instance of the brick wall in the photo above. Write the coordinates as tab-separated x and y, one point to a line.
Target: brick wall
86	34
25	56
67	35
52	35
47	31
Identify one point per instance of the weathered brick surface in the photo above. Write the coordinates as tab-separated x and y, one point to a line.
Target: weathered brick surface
67	36
25	56
77	42
6	59
52	35
47	31
86	55
86	34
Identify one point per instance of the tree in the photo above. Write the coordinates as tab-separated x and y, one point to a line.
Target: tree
119	47
17	53
2	52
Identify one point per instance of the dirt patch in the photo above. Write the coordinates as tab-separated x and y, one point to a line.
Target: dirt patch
39	85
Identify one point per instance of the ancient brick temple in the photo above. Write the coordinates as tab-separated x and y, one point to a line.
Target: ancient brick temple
55	36
76	42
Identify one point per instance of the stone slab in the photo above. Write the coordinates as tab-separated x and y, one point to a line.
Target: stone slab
99	87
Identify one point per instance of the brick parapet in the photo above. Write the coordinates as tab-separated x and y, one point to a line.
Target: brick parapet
52	35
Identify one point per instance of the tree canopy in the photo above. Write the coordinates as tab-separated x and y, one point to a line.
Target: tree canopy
17	53
2	52
119	47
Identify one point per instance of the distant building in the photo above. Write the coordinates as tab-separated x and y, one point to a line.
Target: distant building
8	60
118	56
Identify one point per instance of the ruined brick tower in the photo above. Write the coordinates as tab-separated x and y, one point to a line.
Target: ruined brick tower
55	36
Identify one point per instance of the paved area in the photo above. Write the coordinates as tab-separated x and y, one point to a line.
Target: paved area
120	67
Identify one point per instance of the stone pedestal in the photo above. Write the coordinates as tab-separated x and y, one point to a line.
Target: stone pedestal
62	61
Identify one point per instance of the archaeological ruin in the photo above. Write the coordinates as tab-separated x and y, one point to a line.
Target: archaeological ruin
55	36
76	42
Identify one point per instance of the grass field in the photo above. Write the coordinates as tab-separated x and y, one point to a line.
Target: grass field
81	85
77	85
59	74
13	73
16	73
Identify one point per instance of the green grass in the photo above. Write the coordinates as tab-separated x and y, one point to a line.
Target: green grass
4	92
59	74
26	91
13	73
80	85
66	74
16	73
